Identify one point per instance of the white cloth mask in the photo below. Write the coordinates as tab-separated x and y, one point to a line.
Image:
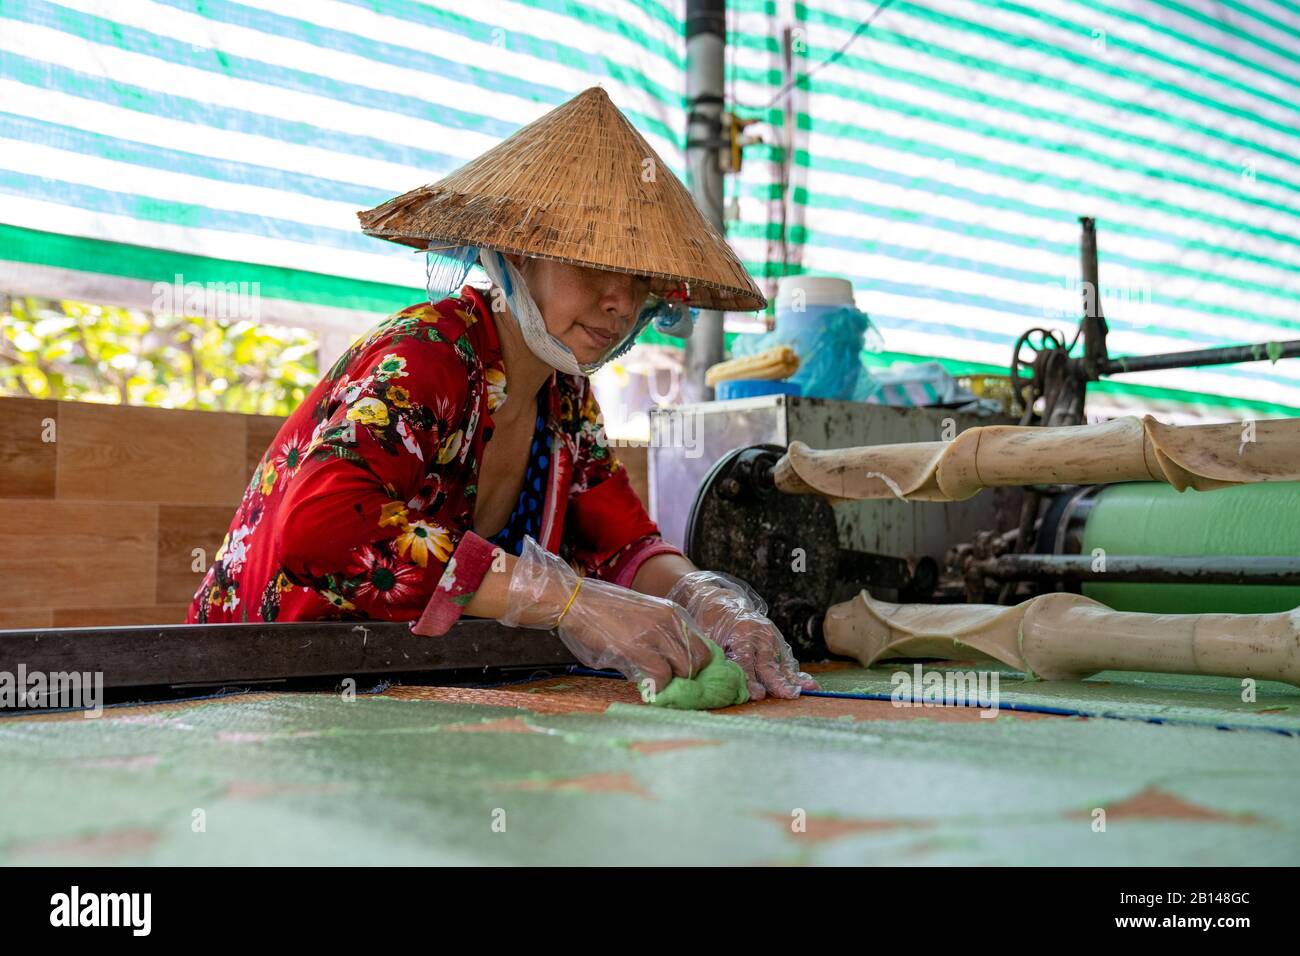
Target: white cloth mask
540	341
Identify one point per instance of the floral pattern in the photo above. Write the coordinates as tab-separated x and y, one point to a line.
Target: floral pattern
364	501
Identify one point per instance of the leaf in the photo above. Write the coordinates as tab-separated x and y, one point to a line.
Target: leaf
77	351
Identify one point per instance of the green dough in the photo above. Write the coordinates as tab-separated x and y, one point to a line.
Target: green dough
722	683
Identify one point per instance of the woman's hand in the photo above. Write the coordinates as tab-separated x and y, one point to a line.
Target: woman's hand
732	615
647	639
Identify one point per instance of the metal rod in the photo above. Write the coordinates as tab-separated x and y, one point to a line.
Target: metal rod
1094	321
1221	356
1148	568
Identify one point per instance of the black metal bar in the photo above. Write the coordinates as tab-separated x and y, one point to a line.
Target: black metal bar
206	654
1149	568
1094	321
1222	356
706	16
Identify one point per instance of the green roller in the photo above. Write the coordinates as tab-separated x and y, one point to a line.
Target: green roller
1153	518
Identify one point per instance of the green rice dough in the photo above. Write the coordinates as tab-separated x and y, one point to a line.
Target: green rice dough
721	683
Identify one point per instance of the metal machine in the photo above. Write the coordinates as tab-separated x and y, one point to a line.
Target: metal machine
711	494
1003	545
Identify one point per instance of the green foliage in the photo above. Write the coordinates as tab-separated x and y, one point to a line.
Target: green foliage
77	351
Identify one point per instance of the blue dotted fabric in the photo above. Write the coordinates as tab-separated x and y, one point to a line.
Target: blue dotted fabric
526	519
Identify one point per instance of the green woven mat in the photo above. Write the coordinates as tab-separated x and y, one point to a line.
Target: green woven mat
1214	701
312	779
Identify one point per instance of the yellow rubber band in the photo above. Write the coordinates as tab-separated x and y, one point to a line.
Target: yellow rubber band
570	604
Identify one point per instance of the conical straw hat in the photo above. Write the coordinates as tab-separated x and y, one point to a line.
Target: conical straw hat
579	185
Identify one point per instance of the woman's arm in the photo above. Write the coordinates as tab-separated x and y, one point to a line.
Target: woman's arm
490	600
659	572
352	524
655	577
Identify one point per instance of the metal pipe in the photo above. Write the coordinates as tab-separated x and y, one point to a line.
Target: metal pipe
1094	321
706	42
1147	568
1228	355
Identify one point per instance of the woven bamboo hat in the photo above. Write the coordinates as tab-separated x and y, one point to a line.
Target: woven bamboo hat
578	185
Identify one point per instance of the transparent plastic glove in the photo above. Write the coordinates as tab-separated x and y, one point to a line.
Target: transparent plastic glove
647	639
731	613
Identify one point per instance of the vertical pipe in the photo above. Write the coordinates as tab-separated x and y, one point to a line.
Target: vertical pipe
1094	320
706	40
787	148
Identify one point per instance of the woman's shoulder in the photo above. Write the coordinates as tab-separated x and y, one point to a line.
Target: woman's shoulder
447	320
425	348
444	327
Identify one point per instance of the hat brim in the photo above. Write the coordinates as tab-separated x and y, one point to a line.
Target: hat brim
703	294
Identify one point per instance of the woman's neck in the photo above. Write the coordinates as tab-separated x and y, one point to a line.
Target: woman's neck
525	372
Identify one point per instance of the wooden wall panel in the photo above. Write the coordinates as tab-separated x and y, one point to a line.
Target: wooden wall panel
26	617
182	529
98	527
77	553
122	453
27	460
118	616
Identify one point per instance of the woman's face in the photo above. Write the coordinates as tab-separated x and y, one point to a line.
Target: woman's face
589	310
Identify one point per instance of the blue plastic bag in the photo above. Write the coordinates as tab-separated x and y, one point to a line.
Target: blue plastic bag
828	340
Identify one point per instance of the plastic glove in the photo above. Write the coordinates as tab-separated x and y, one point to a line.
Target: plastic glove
731	613
647	639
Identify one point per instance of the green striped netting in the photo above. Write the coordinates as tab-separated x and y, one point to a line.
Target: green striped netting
939	159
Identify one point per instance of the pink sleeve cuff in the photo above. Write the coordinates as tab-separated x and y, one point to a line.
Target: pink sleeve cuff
628	564
460	579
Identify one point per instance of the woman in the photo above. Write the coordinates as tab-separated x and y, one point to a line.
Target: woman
454	460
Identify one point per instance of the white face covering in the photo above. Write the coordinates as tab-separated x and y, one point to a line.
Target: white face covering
540	341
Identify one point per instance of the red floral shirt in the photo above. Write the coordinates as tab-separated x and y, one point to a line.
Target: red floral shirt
363	506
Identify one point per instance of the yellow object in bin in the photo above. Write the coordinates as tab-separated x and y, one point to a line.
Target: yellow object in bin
775	363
